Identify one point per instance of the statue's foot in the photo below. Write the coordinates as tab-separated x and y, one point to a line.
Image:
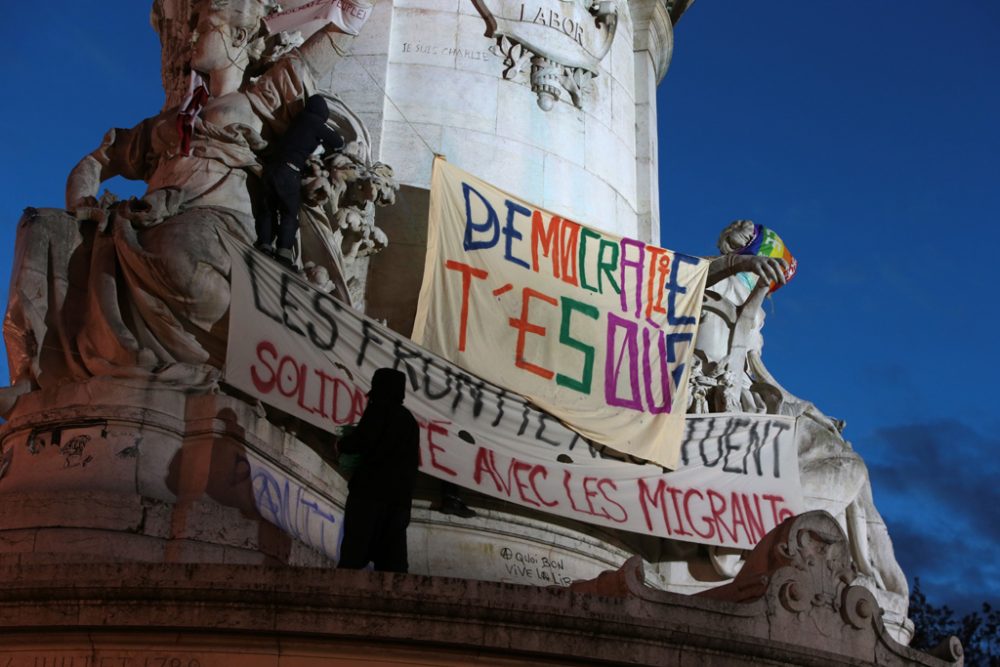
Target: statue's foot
9	396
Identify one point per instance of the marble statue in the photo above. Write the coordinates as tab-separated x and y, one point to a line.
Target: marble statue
729	375
139	289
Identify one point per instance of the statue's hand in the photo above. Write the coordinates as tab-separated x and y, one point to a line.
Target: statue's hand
88	201
771	269
88	208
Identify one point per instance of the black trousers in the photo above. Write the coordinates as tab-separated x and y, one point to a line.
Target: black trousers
284	195
375	532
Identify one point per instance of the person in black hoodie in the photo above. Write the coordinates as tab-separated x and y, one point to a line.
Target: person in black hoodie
283	178
380	492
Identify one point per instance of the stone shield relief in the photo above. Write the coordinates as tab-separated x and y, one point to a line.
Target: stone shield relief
563	41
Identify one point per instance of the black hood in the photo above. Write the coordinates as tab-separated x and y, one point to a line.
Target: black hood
388	386
316	105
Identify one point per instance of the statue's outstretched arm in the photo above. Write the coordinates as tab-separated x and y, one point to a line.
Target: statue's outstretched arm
279	93
324	49
86	177
123	152
770	269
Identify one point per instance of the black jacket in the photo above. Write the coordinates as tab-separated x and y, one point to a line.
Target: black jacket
306	132
388	439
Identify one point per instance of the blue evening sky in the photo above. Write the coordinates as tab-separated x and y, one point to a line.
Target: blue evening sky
866	135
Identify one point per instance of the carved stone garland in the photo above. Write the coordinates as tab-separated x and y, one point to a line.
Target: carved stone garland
548	79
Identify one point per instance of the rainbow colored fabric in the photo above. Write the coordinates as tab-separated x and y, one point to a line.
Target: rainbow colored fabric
766	243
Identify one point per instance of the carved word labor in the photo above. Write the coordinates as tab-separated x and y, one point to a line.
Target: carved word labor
552	19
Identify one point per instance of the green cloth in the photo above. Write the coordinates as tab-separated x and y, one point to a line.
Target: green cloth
348	463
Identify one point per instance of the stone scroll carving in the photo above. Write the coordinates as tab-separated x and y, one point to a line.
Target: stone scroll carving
140	289
804	574
557	44
797	586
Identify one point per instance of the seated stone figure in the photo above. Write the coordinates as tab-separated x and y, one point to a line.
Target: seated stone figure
833	476
140	289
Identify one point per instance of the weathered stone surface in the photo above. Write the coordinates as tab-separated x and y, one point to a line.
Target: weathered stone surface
144	485
215	509
796	581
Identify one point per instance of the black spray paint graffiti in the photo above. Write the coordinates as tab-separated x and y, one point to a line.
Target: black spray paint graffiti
74	452
735	444
529	566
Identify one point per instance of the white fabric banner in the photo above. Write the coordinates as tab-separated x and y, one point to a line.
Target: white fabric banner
303	352
346	15
593	328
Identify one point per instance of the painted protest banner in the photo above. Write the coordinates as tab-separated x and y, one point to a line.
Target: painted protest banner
593	328
305	353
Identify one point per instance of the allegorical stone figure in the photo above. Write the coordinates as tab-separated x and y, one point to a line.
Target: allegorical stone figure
381	489
140	289
834	477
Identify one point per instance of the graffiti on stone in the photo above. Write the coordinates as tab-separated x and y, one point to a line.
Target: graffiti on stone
521	565
75	452
289	504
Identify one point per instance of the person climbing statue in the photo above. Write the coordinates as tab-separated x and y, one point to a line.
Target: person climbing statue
380	492
279	223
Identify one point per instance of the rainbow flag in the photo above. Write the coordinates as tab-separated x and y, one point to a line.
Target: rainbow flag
766	243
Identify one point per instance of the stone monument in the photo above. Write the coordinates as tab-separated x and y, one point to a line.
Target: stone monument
123	443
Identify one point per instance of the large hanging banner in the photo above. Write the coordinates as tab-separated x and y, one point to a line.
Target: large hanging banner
593	328
303	352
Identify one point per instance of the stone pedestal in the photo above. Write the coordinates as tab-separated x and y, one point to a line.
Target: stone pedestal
121	473
125	473
796	609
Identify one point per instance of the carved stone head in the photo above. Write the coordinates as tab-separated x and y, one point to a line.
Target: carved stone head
234	28
227	32
736	236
